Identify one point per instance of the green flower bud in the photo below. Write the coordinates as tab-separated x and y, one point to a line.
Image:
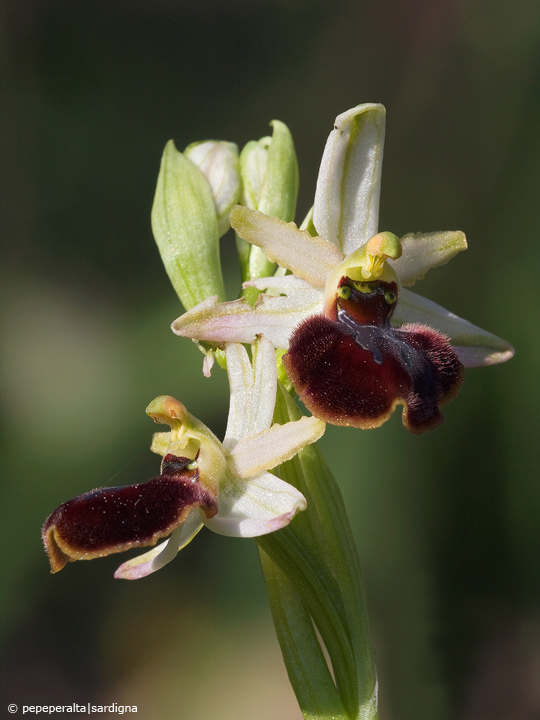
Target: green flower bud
185	226
219	162
269	171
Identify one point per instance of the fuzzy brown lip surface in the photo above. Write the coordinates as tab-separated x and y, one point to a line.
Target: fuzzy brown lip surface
353	374
111	520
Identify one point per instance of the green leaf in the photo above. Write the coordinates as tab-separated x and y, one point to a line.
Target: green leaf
304	658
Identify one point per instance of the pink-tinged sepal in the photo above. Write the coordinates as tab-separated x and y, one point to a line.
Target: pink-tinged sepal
349	373
111	520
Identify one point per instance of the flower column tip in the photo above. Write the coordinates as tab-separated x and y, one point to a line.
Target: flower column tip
166	409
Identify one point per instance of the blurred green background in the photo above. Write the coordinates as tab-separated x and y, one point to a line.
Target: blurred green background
446	523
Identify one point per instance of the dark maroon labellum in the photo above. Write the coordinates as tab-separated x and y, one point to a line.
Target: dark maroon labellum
355	369
111	520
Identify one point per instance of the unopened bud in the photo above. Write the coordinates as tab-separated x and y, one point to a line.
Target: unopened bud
269	171
185	227
219	162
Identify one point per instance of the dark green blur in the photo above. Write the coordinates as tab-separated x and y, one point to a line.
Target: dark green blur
447	523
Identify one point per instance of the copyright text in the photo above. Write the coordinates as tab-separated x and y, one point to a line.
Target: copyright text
87	708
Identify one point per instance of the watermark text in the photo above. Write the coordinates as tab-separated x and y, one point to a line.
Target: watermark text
86	708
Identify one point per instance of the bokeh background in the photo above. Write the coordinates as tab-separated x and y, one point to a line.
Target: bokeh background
446	523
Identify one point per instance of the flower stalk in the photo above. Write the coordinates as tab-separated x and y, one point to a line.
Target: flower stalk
317	557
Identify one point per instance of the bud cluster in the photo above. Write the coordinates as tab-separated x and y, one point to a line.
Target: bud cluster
197	189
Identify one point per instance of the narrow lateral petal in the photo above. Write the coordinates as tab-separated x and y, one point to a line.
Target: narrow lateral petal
274	446
310	258
237	321
475	347
260	505
252	390
291	295
111	520
285	284
158	557
346	208
424	251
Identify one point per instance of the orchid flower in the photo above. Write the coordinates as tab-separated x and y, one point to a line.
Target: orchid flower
352	365
224	486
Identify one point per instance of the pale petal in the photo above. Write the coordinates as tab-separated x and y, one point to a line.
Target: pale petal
299	292
424	251
346	209
260	505
474	346
252	390
237	321
155	559
274	446
310	258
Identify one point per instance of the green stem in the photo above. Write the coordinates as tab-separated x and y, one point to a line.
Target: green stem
317	554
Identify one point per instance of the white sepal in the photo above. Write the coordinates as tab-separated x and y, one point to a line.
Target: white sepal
237	321
474	346
346	207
